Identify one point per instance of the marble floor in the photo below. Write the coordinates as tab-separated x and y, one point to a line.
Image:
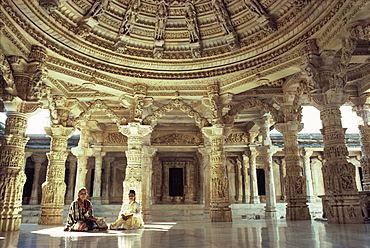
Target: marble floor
240	233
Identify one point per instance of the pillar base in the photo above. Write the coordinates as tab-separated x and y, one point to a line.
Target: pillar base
34	201
297	212
51	216
254	199
50	220
365	203
221	214
147	216
271	213
10	224
343	209
105	201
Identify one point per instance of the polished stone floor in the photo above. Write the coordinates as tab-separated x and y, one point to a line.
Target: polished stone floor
241	233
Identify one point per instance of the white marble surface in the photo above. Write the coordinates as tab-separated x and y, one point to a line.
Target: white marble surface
240	233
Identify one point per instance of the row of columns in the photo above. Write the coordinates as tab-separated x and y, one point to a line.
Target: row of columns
57	157
53	190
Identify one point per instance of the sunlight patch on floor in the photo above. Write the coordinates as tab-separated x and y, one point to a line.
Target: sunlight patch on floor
58	231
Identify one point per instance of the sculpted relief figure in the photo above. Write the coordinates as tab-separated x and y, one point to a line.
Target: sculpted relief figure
222	16
98	8
161	21
191	21
130	17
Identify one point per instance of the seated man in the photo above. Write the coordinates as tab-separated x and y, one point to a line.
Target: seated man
129	216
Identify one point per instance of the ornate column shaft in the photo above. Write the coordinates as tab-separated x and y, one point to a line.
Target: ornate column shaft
362	110
240	180
220	210
107	180
253	174
247	180
306	153
71	178
147	172
341	197
12	177
39	159
54	188
205	176
135	133
97	175
266	150
295	183
82	152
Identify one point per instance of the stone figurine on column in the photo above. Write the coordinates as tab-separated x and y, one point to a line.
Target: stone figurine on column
21	94
54	188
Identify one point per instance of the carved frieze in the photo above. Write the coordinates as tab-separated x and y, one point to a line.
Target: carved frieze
176	139
115	139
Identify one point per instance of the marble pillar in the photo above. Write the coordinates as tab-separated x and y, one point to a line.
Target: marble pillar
54	188
71	178
239	175
266	151
98	154
254	198
107	179
306	154
38	159
147	172
135	133
205	178
247	180
220	210
82	152
295	183
362	110
341	195
12	176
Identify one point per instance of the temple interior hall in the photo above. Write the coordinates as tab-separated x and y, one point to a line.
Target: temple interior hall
238	123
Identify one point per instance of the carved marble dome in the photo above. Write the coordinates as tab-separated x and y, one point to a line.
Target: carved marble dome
101	49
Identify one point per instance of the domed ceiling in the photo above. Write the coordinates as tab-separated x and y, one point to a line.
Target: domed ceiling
102	48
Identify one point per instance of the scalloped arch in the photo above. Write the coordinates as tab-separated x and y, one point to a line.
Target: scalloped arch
180	104
100	105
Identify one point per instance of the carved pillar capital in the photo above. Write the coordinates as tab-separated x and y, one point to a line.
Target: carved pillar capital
305	152
135	129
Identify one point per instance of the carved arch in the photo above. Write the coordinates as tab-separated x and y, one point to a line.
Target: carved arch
251	103
100	105
180	104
